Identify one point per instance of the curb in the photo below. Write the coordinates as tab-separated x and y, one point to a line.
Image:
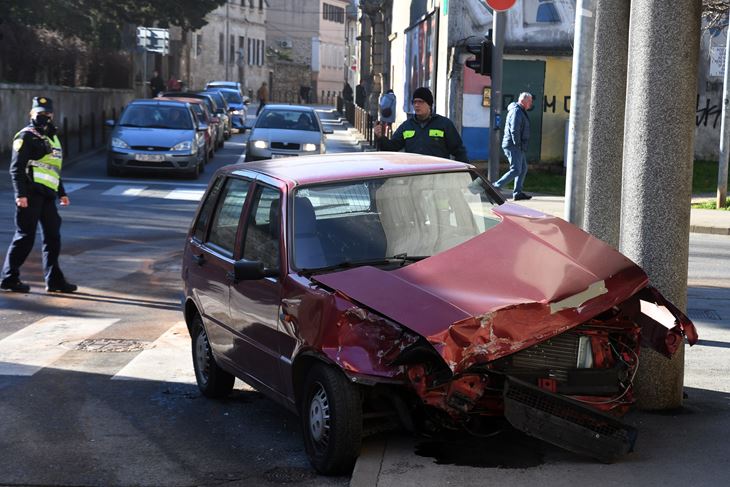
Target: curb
709	229
368	464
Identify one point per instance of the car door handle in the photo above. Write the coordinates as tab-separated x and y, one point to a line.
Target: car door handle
231	277
199	259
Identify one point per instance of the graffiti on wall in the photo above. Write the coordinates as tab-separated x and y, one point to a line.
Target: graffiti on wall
708	114
551	103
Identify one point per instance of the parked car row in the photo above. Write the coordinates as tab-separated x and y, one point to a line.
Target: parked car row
150	136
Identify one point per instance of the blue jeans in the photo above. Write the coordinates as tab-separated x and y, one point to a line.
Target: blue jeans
517	169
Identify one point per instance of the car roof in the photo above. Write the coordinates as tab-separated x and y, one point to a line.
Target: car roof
157	101
185	99
283	106
224	83
223	88
325	168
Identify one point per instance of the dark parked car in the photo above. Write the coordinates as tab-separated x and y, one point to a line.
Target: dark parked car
207	120
216	109
223	111
157	135
352	288
237	109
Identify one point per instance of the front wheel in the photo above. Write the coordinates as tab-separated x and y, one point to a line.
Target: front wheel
212	380
331	414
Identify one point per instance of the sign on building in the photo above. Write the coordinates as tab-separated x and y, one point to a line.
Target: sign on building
153	39
717	61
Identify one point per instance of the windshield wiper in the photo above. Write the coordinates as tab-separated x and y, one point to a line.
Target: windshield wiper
401	259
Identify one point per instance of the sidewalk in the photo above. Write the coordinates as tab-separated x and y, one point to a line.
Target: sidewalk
701	221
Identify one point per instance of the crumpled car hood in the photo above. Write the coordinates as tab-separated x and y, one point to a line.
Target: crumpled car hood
523	281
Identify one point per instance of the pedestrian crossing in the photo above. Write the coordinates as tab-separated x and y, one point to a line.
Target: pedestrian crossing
131	192
54	342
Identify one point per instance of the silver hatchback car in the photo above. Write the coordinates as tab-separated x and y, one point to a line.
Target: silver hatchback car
157	135
284	131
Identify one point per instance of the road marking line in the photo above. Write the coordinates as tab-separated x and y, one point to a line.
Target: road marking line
40	344
185	194
145	181
167	360
71	187
124	190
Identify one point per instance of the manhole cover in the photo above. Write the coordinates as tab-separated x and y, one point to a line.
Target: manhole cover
703	314
110	345
288	475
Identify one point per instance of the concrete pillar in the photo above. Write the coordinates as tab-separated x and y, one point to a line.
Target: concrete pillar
664	38
602	214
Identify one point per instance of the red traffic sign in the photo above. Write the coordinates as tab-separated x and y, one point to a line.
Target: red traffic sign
501	5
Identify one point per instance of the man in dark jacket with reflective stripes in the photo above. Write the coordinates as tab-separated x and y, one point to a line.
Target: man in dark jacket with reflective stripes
35	169
426	133
514	144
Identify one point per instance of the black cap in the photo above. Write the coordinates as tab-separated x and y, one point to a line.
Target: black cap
42	104
424	94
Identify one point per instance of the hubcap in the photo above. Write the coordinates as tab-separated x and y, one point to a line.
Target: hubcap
202	353
319	416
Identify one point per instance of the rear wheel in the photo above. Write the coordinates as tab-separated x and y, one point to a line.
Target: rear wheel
212	380
331	415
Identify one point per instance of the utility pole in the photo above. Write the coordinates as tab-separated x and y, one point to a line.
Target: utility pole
724	131
495	112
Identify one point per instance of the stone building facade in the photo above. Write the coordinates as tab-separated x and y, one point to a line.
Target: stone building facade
307	37
232	46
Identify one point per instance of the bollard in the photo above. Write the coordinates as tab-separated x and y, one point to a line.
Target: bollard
93	130
103	127
64	135
81	134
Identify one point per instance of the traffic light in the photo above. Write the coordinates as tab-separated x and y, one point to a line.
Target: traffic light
482	63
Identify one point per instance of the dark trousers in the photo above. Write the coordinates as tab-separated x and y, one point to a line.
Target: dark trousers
41	210
262	103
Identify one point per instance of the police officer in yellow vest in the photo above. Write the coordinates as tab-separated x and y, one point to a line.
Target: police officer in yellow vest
35	169
425	133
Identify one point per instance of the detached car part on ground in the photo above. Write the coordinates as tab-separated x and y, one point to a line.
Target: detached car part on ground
386	284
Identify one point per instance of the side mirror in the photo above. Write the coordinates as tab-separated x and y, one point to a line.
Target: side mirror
251	270
328	131
215	119
110	123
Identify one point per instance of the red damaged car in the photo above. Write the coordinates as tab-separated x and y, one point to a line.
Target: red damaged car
353	287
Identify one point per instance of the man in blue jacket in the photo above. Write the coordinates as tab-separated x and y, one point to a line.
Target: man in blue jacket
514	144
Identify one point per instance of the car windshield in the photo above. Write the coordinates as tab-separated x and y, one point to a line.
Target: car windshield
218	98
288	120
232	97
386	221
157	116
198	109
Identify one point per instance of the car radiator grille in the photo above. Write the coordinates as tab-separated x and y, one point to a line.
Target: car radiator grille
558	355
285	145
150	148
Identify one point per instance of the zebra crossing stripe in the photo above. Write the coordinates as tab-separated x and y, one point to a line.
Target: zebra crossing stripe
167	360
185	194
71	187
42	343
124	190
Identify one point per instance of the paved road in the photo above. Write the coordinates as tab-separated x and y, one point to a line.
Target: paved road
97	388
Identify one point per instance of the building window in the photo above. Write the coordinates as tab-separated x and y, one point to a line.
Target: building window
263	52
333	13
221	48
261	4
232	50
241	45
249	53
198	44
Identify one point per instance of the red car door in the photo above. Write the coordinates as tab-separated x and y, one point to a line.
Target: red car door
255	304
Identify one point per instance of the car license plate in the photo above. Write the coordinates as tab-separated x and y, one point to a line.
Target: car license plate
276	156
150	157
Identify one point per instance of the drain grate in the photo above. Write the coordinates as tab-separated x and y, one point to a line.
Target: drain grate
110	345
289	475
703	314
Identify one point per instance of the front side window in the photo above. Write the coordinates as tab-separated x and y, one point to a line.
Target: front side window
414	216
263	228
227	215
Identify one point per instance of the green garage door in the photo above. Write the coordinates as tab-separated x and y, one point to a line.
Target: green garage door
519	76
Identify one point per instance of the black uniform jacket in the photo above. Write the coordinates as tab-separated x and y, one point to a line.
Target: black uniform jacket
435	136
32	148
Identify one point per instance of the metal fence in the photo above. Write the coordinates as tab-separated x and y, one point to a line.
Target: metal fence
359	118
86	133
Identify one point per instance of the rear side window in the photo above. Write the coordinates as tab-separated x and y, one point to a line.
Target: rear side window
262	232
227	215
201	225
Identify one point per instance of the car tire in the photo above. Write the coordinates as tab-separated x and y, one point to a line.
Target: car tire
194	172
331	415
212	381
